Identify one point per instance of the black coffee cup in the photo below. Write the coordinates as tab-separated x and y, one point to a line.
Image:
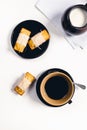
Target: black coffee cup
55	87
74	20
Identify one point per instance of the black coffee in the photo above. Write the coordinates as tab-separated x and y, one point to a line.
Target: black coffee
56	87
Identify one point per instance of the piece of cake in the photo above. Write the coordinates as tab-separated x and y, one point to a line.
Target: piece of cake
25	82
38	39
22	40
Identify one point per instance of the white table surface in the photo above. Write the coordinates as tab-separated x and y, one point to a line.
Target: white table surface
27	112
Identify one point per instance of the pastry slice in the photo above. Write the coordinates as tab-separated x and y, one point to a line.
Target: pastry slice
22	40
26	81
38	39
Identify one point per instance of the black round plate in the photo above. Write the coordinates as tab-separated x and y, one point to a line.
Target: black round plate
35	27
42	77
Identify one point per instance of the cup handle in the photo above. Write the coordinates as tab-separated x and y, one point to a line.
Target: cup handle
70	101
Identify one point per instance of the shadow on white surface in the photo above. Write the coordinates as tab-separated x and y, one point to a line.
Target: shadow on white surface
10	48
16	83
32	91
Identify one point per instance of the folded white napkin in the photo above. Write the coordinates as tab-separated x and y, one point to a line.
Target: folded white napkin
54	10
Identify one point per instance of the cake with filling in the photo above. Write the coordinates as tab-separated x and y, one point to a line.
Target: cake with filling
24	83
22	40
38	39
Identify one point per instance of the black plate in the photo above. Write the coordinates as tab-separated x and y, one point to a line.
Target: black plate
42	77
34	27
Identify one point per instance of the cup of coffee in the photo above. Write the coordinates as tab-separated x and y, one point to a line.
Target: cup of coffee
74	20
55	87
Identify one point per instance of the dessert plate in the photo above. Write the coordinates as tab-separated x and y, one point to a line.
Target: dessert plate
35	27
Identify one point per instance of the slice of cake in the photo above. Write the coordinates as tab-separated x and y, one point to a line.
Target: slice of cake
38	39
22	40
25	82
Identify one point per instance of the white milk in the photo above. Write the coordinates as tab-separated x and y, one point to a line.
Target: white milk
78	17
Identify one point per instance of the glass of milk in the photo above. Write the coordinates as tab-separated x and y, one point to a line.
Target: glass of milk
74	20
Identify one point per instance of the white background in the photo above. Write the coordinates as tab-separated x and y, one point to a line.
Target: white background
27	112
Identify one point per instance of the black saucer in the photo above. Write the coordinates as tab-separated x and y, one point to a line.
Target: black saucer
34	27
42	77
